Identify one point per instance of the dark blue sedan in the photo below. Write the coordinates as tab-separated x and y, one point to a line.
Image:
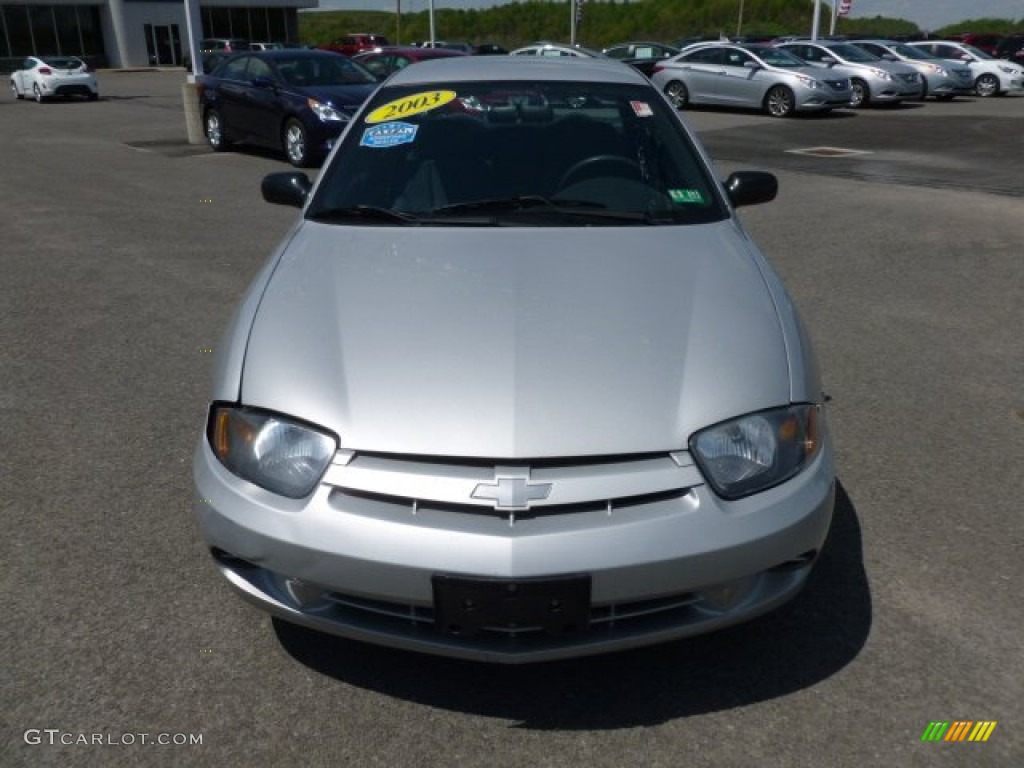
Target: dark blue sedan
293	100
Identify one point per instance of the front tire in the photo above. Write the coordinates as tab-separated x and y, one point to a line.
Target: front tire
213	126
861	94
295	143
780	102
677	94
986	85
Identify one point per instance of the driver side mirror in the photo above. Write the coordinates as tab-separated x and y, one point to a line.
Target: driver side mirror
751	188
287	188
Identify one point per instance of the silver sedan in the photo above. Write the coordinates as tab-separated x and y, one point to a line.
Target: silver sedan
749	77
517	385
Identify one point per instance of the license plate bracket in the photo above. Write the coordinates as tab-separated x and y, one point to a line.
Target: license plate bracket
465	606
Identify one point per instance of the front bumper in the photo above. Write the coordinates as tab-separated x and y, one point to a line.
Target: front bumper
345	565
897	89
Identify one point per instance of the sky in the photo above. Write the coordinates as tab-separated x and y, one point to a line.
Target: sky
927	14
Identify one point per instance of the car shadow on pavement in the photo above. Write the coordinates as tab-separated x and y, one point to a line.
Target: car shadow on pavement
808	640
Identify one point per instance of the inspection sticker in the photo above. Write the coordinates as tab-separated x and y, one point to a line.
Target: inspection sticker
388	135
686	196
642	108
407	106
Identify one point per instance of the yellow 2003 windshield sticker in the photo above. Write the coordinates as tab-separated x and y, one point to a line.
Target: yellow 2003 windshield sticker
410	105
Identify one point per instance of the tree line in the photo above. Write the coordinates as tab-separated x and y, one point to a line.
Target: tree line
604	23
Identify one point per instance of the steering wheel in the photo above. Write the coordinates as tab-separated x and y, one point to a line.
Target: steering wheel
613	165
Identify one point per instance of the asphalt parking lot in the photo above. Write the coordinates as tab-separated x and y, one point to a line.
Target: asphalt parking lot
123	251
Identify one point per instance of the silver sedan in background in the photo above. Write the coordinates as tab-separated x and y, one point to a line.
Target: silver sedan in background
873	80
517	385
749	77
942	78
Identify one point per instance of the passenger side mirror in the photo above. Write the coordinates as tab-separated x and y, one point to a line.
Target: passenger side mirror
828	60
263	82
751	188
288	188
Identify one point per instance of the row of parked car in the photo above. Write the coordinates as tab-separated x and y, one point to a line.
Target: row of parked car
786	76
299	101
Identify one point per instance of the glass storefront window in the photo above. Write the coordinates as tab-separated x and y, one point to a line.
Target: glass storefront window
44	35
68	41
19	33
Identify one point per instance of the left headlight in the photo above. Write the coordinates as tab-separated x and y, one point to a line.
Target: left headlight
326	112
269	450
809	82
755	452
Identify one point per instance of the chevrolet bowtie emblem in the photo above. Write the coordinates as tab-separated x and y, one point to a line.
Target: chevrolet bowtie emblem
512	489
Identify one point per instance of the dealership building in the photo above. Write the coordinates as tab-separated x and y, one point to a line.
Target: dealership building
134	33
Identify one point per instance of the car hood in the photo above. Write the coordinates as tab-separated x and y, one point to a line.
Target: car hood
516	342
339	95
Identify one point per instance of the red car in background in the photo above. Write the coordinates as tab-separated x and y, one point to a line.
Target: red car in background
357	42
382	62
987	42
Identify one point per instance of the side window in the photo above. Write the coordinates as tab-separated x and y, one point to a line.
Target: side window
259	68
946	51
27	64
401	62
810	53
734	58
875	49
705	56
235	69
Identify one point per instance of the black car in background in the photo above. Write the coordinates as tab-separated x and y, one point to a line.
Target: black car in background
641	55
298	101
1011	48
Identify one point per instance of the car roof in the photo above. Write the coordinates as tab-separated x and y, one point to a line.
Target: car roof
476	68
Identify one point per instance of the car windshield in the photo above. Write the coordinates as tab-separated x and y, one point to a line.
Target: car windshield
776	57
977	52
910	52
321	70
849	52
517	154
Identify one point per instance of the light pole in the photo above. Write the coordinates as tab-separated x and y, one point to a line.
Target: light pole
739	20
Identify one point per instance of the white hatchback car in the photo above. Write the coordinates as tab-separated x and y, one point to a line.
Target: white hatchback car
43	77
992	77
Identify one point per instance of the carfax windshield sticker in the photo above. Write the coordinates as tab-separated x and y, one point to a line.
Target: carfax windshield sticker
686	196
410	105
388	135
642	108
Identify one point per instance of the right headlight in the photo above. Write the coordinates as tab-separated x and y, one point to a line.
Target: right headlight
755	452
269	450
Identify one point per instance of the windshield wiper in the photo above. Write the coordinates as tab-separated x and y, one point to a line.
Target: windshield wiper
364	213
540	205
518	203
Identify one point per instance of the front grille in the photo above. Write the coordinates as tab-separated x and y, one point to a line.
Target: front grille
838	85
396	487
